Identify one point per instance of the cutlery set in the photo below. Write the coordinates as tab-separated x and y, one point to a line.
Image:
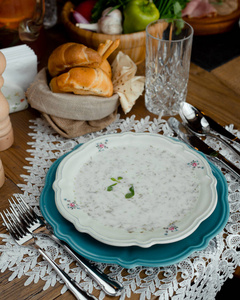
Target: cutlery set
203	125
24	225
196	124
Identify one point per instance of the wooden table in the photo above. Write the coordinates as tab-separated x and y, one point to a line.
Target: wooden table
205	90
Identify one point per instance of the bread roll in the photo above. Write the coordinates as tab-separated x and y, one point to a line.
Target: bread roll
106	67
107	48
71	55
83	81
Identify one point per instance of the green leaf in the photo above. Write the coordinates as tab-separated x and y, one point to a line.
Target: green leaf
118	180
171	9
110	187
131	194
177	8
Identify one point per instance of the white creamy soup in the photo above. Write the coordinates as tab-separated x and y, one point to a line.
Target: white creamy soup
136	188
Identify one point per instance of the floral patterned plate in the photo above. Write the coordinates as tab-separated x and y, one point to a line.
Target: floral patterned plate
128	257
135	189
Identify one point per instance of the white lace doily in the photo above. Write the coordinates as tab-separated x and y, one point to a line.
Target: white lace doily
200	276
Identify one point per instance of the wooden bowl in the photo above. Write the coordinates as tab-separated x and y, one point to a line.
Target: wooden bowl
131	44
214	25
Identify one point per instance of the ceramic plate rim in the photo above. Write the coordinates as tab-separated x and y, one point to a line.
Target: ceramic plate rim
109	236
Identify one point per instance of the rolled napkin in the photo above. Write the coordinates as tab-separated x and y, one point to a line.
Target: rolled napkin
20	72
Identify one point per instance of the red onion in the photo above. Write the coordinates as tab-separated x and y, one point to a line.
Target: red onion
79	18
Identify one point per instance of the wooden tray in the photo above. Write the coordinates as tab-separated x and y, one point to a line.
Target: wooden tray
214	25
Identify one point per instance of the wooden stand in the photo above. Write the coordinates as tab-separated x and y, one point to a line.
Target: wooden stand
6	131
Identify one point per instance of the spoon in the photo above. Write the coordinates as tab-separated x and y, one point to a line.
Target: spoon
198	124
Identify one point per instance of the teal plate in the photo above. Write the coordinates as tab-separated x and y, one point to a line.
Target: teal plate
129	257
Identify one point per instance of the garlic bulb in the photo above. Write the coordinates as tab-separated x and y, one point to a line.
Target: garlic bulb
111	21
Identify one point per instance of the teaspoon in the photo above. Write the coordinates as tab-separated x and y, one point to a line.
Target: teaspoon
197	123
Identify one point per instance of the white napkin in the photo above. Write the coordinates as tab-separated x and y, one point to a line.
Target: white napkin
20	71
128	86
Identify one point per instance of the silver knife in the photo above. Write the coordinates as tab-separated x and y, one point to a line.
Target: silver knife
221	130
195	142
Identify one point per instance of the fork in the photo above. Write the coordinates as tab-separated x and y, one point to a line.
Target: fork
23	237
36	225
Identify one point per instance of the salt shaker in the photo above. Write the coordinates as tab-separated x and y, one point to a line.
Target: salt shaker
6	131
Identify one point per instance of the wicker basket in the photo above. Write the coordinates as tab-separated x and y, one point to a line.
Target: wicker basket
131	44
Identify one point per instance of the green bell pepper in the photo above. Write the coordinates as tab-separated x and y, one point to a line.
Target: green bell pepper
138	14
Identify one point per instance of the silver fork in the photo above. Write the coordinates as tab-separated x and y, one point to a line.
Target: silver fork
35	225
25	238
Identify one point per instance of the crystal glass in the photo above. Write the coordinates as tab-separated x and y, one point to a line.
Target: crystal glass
168	53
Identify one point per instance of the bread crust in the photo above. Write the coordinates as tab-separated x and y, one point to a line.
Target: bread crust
83	81
71	55
106	67
107	48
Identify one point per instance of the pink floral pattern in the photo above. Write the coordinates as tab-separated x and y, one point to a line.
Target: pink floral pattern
195	164
72	204
171	228
102	146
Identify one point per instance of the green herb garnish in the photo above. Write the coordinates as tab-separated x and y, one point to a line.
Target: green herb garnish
110	187
118	179
131	189
131	194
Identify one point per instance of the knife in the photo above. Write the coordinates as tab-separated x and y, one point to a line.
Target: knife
221	130
195	142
